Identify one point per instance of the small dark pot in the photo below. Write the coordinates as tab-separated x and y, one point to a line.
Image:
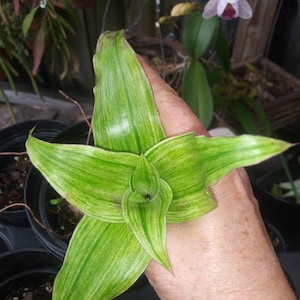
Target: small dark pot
12	139
282	213
34	266
26	266
38	194
17	237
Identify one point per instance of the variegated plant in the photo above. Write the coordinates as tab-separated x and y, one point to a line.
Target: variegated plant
134	180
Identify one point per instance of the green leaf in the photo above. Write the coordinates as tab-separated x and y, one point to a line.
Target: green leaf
144	181
56	201
28	20
9	71
244	117
196	92
223	51
261	114
288	185
198	34
147	220
191	164
145	205
92	179
103	260
219	155
176	160
125	117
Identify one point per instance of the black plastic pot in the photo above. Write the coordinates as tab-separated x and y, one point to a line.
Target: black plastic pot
26	267
17	237
282	213
38	194
34	266
6	243
12	139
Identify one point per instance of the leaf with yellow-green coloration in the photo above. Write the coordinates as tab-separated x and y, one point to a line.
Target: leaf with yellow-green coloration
175	159
183	9
144	181
92	179
103	260
28	21
145	205
125	117
147	221
191	164
220	155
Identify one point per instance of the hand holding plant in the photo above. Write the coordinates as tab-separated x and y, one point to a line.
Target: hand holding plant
135	180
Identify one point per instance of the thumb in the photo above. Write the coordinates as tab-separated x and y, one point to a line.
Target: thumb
176	116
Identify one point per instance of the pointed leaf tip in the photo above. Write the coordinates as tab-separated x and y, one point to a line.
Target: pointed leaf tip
147	221
144	182
125	117
103	260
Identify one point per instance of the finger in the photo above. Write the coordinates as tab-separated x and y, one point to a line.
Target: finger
176	116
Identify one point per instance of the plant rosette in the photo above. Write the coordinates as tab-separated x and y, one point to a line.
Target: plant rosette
134	180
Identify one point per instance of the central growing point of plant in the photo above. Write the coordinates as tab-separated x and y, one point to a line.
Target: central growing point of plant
134	180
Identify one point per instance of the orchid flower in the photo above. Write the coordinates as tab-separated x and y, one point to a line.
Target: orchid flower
227	9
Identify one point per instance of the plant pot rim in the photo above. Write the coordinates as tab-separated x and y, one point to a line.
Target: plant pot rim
24	265
36	198
265	179
12	139
21	130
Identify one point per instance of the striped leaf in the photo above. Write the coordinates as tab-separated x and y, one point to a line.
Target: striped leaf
176	162
92	179
147	221
191	164
219	155
144	182
103	260
125	117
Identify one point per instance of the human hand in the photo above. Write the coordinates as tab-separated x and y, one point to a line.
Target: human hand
225	254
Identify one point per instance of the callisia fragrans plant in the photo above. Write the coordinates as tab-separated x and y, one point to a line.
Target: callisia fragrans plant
134	180
227	9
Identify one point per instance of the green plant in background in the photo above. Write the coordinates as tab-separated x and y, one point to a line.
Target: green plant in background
238	94
198	36
211	86
134	180
203	32
286	189
27	29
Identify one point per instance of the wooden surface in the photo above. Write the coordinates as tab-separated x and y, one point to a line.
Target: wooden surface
252	35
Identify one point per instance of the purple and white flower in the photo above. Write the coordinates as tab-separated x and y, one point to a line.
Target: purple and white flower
227	9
